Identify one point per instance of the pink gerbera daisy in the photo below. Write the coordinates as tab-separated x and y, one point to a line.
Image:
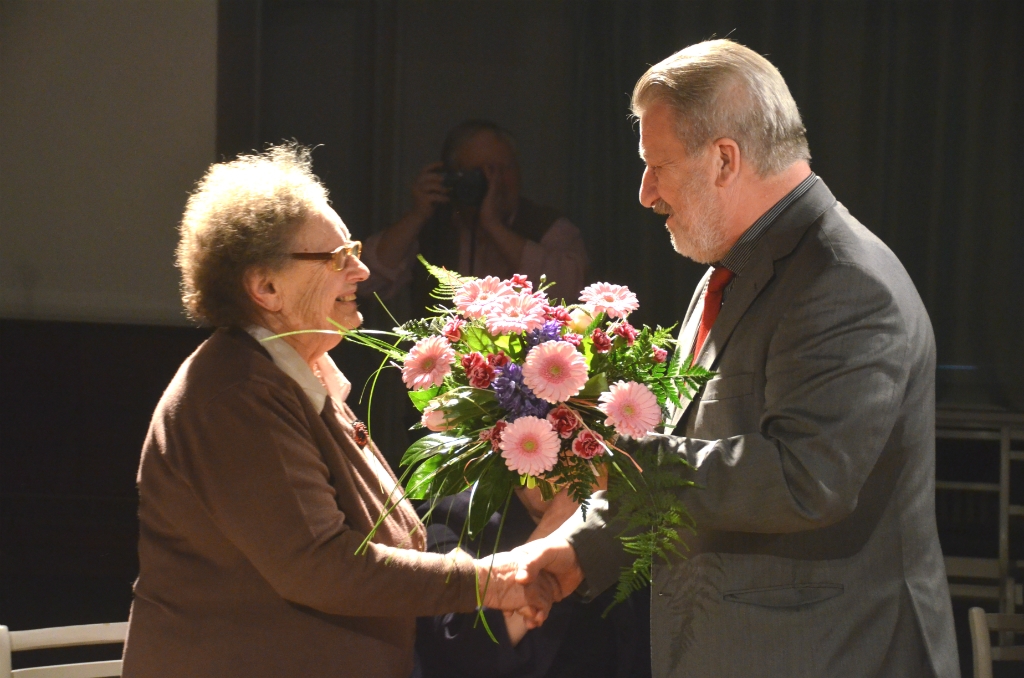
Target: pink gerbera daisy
427	364
615	300
514	314
632	408
555	371
475	296
530	446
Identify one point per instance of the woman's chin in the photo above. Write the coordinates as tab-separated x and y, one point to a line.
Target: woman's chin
350	320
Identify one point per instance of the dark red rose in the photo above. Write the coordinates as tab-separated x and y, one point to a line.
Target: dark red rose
626	331
659	355
359	432
478	371
564	420
602	342
498	359
587	445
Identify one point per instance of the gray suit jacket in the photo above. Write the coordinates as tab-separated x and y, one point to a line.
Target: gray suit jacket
817	552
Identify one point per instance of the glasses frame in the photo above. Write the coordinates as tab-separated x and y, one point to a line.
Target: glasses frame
339	257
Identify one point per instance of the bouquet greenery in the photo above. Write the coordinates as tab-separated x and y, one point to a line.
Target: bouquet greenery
517	389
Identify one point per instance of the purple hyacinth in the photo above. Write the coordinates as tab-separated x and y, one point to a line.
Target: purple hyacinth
551	331
516	397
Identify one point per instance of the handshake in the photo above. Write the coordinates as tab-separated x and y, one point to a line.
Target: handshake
529	579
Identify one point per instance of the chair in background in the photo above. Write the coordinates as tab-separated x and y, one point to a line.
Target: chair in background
983	624
64	636
987	578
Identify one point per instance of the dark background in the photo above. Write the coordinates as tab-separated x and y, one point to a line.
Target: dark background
913	112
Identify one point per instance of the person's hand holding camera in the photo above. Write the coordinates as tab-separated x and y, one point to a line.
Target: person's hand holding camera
428	191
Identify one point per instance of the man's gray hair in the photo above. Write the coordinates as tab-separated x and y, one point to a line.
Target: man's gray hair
243	216
720	88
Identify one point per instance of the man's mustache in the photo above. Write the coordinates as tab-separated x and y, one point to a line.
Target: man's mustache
661	207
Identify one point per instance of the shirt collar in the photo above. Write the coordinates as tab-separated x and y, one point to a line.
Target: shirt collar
741	251
291	363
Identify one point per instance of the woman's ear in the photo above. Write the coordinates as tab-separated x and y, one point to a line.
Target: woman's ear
260	286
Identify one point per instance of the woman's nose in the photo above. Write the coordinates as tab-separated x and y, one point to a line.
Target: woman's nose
359	272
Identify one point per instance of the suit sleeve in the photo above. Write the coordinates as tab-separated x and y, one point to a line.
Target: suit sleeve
835	375
254	468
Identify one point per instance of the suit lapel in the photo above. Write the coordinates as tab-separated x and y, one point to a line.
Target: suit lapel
739	296
780	239
684	343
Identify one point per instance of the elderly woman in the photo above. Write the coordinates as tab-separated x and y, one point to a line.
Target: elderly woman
257	484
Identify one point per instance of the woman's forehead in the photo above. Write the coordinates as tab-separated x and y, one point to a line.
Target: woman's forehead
325	229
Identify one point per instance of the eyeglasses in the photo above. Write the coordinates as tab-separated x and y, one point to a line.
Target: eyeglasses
338	257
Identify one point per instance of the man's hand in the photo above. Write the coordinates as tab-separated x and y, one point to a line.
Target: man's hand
428	191
551	556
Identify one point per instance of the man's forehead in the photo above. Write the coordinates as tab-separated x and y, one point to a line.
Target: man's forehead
659	132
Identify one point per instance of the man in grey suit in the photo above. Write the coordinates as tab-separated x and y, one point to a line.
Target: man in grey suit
816	551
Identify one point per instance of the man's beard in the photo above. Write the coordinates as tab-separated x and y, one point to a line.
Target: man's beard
703	237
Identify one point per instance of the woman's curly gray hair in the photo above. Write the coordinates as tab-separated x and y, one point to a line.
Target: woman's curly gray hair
242	216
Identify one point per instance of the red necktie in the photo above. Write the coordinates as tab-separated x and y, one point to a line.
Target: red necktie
720	277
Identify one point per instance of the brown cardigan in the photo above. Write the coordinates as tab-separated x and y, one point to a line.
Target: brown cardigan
251	506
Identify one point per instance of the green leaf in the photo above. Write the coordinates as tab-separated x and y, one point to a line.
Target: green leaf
595	386
419	482
420	399
429	445
490	492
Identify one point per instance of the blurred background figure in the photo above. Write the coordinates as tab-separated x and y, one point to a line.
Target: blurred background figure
468	215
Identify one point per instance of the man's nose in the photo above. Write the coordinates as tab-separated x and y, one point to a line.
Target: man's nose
648	189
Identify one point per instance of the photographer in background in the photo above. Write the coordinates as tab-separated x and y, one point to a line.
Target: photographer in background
469	216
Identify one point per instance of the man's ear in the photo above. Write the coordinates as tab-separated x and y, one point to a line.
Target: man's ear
259	284
728	161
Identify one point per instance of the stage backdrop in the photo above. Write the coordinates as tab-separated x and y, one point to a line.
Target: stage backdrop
110	111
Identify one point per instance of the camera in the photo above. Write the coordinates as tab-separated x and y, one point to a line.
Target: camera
467	188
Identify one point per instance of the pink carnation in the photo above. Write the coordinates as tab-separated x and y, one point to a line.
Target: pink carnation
564	420
632	408
530	446
626	331
475	296
615	300
588	445
514	314
658	354
453	329
494	435
557	313
479	372
555	371
573	338
521	282
602	343
428	363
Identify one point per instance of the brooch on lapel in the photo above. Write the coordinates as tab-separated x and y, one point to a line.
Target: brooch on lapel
360	433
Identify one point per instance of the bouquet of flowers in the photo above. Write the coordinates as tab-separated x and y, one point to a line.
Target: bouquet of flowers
517	389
